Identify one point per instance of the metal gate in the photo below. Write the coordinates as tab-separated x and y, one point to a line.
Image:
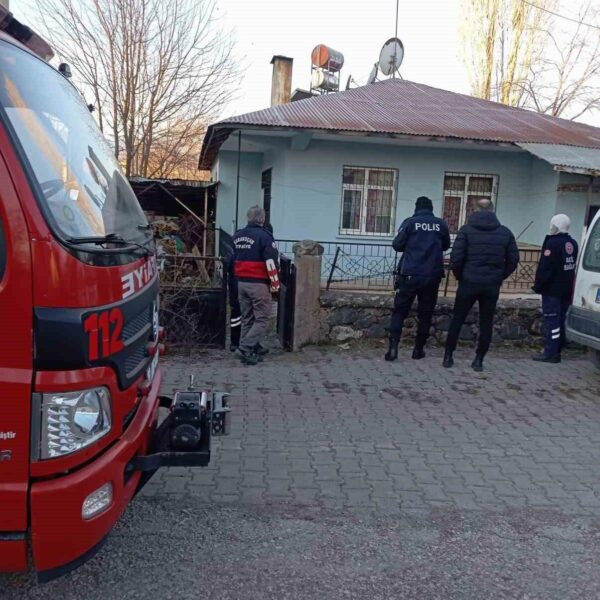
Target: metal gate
286	303
193	300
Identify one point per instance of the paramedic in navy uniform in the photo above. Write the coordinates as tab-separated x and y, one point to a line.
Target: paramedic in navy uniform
422	239
554	280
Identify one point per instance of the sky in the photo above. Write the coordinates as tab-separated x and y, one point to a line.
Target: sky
358	29
429	30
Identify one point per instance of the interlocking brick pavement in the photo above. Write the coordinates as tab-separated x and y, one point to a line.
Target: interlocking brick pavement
335	428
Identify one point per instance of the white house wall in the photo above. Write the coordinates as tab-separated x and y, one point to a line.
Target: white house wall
307	184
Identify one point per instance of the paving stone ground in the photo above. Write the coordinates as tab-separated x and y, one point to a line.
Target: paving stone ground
339	428
346	477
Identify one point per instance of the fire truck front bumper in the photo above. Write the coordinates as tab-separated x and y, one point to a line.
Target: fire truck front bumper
72	514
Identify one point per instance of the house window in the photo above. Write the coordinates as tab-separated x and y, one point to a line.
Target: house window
368	201
461	193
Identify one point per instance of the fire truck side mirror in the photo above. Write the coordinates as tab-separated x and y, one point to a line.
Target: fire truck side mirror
2	251
65	70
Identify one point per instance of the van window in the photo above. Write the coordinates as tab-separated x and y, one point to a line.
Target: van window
591	258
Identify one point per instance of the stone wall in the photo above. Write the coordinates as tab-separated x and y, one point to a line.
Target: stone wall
354	315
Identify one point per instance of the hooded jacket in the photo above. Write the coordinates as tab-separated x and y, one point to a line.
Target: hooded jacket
484	252
422	239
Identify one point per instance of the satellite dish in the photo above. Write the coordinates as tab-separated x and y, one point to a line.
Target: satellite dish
391	55
373	74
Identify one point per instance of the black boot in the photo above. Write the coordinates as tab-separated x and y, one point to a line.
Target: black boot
548	359
477	364
392	353
248	357
448	360
418	353
261	350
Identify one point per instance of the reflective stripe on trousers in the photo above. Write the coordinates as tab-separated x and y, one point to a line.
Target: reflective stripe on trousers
555	311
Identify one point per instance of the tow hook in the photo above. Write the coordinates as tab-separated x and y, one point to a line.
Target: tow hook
183	438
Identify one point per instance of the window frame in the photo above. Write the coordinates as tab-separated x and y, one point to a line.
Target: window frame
464	194
588	248
364	195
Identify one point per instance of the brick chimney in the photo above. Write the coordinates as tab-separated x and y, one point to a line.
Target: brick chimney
281	84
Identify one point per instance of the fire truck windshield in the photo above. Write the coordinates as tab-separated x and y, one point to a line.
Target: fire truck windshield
78	181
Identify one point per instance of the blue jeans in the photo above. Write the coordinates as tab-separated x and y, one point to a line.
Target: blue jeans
555	311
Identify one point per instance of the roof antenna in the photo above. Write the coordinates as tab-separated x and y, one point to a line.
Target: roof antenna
390	57
396	35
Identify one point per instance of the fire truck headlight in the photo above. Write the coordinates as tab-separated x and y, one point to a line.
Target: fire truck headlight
88	412
73	420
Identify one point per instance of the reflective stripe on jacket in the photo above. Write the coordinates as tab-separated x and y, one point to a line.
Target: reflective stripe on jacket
254	245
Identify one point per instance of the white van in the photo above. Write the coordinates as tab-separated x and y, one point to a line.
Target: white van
583	318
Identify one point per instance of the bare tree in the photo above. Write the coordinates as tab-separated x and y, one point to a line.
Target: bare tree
519	54
158	72
565	80
501	40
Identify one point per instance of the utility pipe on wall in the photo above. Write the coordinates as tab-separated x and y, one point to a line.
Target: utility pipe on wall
237	189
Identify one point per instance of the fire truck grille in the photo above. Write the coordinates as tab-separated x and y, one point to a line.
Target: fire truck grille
133	361
134	326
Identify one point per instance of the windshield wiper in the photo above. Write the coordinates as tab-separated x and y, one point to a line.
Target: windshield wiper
111	238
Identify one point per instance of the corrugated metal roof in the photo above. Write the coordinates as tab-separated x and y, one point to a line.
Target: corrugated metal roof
397	106
571	159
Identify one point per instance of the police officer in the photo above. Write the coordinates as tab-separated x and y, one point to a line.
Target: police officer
255	268
554	280
422	239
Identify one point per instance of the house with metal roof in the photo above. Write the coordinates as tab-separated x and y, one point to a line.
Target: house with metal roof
348	166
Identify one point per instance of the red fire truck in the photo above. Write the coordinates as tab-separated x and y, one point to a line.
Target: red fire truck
79	381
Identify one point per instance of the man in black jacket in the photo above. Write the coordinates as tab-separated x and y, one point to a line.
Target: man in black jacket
484	254
554	280
422	239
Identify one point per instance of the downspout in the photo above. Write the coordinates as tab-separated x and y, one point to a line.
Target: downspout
237	191
589	207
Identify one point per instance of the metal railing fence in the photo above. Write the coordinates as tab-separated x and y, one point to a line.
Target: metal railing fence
369	266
